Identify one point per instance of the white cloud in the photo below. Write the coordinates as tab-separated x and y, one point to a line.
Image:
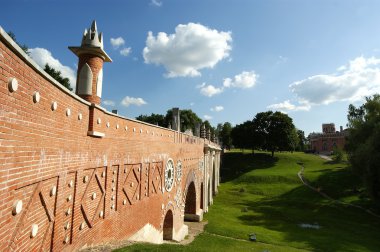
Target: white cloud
207	117
191	48
125	51
156	3
287	106
117	42
352	82
132	101
243	80
209	90
217	108
108	103
42	57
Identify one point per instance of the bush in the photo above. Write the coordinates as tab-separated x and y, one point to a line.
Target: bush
338	155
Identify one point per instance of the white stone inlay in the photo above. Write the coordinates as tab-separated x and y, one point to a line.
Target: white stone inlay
67	239
68	212
17	207
99	121
126	128
117	126
67	225
103	174
54	106
80	116
85	179
113	206
71	183
108	124
101	214
124	202
36	97
82	225
93	196
13	84
53	191
68	112
69	198
34	231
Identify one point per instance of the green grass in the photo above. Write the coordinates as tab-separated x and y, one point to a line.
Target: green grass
263	195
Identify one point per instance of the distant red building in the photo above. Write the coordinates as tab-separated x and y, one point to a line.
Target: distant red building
326	141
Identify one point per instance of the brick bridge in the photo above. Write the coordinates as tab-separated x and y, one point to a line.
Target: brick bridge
73	174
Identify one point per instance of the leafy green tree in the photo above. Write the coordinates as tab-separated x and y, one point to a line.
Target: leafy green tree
58	77
274	131
156	119
23	47
242	136
301	140
225	135
363	143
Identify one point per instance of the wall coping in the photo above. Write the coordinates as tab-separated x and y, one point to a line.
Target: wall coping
17	49
13	46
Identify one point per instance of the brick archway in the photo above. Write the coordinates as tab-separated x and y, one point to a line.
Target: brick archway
202	197
191	200
168	226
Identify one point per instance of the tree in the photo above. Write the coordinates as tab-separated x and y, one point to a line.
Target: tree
363	143
274	131
23	47
242	136
225	135
156	119
301	140
58	77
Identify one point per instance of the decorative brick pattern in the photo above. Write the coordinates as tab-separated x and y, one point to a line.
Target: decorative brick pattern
62	188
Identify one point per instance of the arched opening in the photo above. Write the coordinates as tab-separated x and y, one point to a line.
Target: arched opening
168	226
191	202
209	192
202	192
213	179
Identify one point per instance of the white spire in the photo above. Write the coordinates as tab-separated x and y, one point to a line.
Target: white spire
91	37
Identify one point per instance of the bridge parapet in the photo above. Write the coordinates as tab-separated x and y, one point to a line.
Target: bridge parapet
73	174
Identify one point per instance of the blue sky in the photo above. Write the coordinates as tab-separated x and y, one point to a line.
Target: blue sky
225	60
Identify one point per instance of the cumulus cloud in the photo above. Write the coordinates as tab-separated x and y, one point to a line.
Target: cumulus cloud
359	78
156	3
117	42
207	117
287	106
108	103
43	56
217	108
133	101
191	48
243	80
125	51
209	90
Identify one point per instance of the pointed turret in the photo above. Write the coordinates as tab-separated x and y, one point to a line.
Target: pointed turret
90	67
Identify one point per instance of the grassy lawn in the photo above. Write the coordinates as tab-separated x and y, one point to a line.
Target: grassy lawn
263	195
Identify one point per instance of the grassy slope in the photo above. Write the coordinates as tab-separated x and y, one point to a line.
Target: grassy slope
275	203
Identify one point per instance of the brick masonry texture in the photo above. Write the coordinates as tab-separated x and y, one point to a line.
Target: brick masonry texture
77	190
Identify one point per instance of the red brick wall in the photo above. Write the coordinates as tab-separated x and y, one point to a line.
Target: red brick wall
42	151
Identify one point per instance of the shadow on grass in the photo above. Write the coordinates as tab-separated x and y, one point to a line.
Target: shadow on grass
342	228
238	163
